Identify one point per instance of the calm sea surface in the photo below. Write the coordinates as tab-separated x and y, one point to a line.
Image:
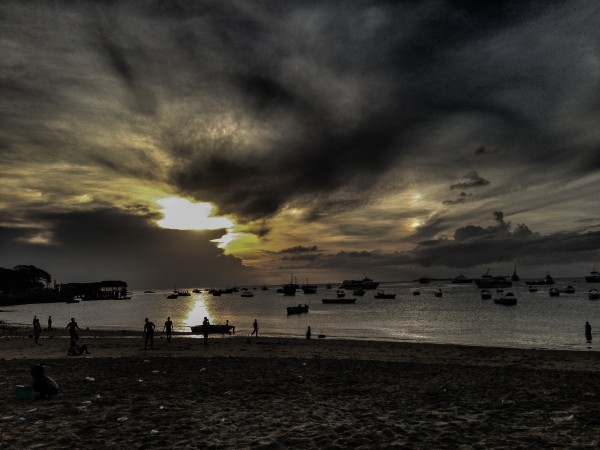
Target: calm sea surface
459	317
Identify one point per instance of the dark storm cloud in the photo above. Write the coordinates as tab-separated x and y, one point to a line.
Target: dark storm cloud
404	84
299	249
473	180
324	98
108	244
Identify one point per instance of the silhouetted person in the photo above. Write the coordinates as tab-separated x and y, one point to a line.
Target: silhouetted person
205	326
308	333
77	350
148	333
37	329
73	327
255	328
42	383
49	323
168	328
588	332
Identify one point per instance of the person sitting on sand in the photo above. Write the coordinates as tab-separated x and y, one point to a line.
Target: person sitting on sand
169	328
42	383
76	350
148	333
73	327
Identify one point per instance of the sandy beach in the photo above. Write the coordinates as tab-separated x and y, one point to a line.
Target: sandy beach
241	392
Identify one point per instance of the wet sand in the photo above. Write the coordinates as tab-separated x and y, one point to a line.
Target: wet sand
241	392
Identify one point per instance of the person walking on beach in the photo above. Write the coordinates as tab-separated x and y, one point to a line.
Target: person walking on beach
205	325
588	332
49	323
255	326
73	327
308	333
168	327
148	333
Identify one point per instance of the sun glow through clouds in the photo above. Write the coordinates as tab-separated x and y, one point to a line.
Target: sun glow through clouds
181	214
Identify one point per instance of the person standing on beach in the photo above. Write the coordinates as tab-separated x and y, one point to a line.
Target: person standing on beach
37	329
308	333
148	334
205	325
168	327
255	326
73	327
588	332
49	323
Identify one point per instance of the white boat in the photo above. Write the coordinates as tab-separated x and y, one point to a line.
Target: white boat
365	283
593	277
593	294
488	281
507	299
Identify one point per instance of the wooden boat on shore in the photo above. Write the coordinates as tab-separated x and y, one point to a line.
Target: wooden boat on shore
382	294
486	295
507	299
437	292
214	329
300	309
339	300
554	292
593	294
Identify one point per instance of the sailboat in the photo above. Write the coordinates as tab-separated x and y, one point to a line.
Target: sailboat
514	276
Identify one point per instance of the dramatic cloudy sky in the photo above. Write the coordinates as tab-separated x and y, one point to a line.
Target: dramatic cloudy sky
322	138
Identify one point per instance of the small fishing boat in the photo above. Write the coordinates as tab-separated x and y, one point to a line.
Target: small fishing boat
507	299
532	289
554	292
360	292
437	292
300	309
486	295
340	294
247	294
341	300
569	290
593	294
382	294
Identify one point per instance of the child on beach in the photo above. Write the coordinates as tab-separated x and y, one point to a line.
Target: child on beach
42	383
73	327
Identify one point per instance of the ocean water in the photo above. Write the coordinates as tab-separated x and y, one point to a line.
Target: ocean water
459	317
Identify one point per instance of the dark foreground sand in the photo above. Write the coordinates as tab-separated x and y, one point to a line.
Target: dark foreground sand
293	393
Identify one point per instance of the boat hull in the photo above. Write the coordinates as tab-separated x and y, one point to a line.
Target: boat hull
338	300
214	329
